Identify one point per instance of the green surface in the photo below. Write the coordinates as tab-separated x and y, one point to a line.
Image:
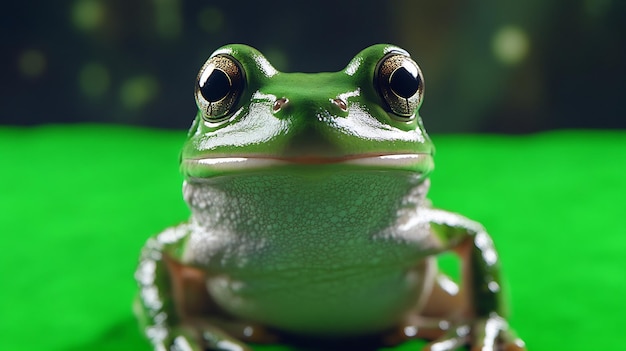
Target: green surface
78	202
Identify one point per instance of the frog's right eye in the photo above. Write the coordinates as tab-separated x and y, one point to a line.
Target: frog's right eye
219	85
401	84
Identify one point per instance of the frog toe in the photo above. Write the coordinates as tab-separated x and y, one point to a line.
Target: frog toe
493	333
214	339
179	338
490	333
453	339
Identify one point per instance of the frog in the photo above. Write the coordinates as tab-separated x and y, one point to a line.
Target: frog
310	218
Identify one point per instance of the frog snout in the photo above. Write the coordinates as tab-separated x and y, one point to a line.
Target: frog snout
306	108
311	130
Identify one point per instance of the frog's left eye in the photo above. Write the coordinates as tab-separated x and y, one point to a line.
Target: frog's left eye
400	83
219	85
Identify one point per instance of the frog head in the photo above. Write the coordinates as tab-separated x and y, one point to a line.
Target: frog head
252	118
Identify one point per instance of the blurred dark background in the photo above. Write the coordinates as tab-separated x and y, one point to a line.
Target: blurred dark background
490	65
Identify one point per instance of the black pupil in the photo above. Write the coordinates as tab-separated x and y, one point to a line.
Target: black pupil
216	86
404	83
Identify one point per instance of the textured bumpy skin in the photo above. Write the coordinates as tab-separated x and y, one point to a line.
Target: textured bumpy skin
310	218
323	247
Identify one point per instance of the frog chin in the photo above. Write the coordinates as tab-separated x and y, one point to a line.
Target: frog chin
198	168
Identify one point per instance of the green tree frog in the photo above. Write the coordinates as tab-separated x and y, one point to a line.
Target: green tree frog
309	217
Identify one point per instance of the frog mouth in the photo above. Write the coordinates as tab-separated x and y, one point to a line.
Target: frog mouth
206	167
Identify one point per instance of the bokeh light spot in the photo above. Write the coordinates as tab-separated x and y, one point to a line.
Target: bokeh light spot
31	63
510	45
87	14
210	20
138	91
597	8
168	18
94	79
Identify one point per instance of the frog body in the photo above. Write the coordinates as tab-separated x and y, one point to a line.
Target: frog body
289	254
309	215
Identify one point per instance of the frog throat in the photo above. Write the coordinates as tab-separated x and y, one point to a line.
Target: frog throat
266	203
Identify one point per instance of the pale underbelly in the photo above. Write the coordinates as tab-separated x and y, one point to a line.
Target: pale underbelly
326	302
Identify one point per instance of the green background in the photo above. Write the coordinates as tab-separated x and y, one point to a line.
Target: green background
77	203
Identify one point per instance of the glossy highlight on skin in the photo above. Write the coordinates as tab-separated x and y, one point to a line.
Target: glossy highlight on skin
309	217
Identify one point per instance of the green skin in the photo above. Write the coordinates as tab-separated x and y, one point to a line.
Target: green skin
309	218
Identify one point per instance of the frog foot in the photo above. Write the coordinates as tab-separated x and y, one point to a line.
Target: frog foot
175	339
214	339
417	327
218	334
484	334
207	335
192	338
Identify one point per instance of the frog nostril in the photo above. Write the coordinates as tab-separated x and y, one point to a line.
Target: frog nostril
341	104
280	103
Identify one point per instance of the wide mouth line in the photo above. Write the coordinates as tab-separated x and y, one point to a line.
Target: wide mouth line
307	159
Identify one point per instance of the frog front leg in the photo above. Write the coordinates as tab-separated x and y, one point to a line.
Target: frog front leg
173	306
476	313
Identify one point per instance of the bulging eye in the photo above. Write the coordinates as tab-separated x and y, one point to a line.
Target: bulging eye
400	83
219	85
